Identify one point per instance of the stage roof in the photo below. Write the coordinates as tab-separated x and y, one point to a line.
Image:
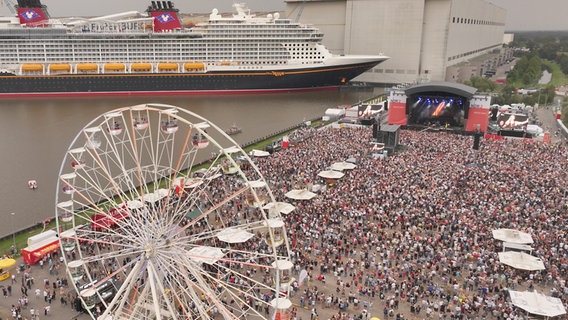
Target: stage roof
449	87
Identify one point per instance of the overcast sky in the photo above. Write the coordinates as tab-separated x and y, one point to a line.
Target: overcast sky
535	15
521	14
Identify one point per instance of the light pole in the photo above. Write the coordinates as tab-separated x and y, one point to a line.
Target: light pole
13	231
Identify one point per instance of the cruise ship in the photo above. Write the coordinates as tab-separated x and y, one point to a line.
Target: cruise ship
153	52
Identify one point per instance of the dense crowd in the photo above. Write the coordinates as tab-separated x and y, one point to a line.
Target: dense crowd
410	236
406	236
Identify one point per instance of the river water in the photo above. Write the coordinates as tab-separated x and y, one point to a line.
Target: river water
35	134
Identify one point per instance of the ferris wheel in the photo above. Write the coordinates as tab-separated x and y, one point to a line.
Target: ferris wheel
163	216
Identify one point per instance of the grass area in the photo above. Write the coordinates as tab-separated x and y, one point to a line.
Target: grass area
558	77
22	237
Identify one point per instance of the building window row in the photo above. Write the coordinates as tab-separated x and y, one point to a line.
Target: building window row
476	21
473	52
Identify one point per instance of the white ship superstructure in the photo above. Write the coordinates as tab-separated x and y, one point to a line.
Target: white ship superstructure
156	43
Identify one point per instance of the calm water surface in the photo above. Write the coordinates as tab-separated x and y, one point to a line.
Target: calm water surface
35	134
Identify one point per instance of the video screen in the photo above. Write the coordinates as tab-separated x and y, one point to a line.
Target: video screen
436	110
369	110
513	121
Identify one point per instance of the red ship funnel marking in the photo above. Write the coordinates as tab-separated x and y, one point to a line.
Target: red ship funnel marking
31	16
165	20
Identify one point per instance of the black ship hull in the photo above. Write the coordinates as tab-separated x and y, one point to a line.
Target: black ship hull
178	83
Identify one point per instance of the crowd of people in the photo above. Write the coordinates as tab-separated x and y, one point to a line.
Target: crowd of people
410	236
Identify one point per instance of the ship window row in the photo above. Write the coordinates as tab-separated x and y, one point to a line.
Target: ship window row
114	58
131	54
147	51
463	20
233	26
262	31
129	46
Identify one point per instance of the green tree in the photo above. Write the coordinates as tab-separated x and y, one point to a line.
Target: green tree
482	84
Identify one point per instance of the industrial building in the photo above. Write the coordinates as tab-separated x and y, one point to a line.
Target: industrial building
424	38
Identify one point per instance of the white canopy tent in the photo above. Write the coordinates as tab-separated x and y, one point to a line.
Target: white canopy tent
537	303
156	195
205	254
300	194
282	207
343	165
331	174
259	153
233	235
507	246
512	236
521	260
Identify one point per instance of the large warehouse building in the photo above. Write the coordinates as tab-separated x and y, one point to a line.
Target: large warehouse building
424	38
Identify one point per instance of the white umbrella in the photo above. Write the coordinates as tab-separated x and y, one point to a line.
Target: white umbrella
233	235
343	165
259	153
351	160
205	254
281	303
537	303
521	260
513	236
282	207
331	174
300	194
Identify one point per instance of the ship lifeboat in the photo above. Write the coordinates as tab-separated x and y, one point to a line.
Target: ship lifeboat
141	67
200	141
87	67
32	184
141	123
194	66
169	126
165	66
114	67
32	67
60	67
